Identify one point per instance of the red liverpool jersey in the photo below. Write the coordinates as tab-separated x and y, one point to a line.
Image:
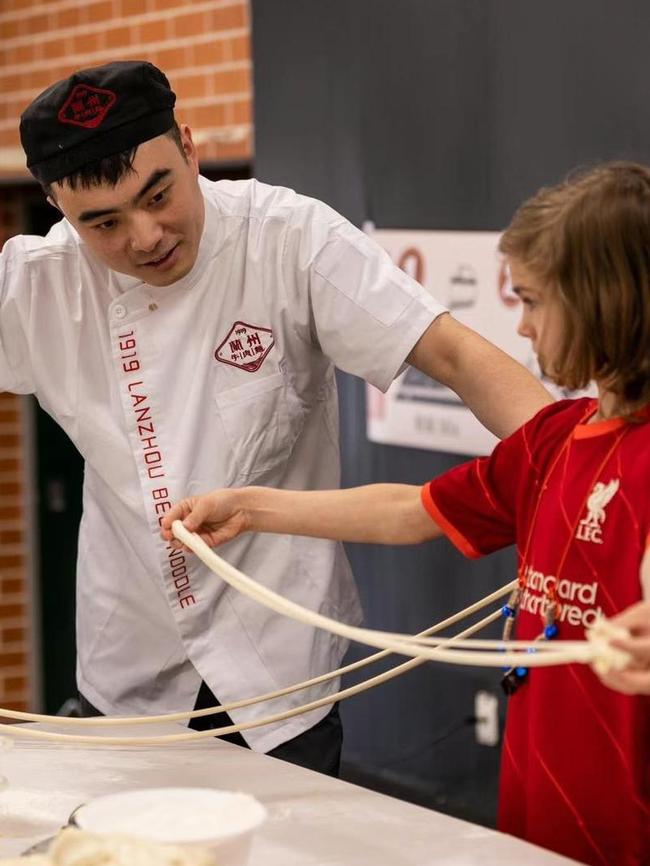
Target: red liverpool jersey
575	499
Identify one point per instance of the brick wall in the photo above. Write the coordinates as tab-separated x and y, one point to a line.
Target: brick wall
15	614
202	45
204	48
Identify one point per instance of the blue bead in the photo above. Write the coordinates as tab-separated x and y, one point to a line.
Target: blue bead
531	649
507	610
521	672
550	631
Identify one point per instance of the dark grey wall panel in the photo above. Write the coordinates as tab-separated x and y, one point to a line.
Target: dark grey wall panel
307	89
445	113
570	88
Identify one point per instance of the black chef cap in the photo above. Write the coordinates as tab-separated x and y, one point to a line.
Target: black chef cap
95	113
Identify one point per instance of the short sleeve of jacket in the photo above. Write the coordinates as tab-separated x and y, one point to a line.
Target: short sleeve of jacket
347	296
15	368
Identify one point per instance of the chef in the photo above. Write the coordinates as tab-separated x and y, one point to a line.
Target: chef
184	334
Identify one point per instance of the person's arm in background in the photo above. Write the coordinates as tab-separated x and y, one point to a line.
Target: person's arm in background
497	389
635	679
379	513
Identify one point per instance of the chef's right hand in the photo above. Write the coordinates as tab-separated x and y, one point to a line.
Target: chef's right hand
216	517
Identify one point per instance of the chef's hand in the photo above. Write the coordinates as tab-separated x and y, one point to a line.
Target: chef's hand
217	517
634	679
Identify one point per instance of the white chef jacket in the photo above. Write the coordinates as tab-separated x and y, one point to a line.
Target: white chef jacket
224	378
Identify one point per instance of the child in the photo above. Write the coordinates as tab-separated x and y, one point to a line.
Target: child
569	488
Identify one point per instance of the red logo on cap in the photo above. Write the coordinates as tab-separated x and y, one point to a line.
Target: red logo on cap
87	106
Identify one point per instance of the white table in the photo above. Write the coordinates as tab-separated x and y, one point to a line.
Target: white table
313	820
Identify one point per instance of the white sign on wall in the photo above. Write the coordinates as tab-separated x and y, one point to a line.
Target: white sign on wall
464	271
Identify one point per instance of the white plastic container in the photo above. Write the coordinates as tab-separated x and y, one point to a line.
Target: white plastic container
222	821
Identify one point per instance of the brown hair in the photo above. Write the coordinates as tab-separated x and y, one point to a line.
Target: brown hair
588	239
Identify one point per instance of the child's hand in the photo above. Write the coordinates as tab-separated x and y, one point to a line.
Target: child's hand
216	517
634	679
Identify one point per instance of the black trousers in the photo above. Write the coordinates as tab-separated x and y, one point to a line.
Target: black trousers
318	749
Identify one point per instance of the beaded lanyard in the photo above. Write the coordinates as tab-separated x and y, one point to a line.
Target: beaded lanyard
514	677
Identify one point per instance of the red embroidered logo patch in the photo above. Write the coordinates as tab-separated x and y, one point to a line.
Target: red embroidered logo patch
87	106
246	346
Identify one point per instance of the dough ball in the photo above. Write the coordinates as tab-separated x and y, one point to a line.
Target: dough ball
80	848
